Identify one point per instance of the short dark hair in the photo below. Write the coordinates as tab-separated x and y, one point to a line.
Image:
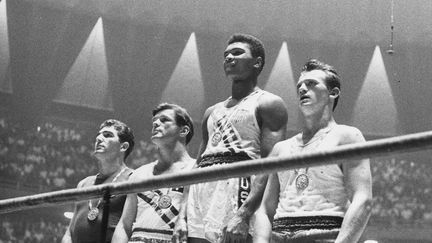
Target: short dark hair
182	117
332	79
256	46
124	133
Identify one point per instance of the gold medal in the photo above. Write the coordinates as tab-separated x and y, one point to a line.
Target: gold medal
164	201
216	138
302	181
93	214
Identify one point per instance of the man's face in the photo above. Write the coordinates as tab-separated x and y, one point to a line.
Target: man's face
238	61
312	90
164	126
107	141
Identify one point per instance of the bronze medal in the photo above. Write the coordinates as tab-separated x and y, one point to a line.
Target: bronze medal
216	138
164	201
93	214
302	182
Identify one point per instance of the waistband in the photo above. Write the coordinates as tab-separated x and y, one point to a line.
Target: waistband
148	235
147	240
149	230
291	225
222	158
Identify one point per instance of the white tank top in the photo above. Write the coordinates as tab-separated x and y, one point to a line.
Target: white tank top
235	129
157	210
325	194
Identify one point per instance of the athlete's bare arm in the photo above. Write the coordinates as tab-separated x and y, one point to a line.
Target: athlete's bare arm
267	209
205	135
358	181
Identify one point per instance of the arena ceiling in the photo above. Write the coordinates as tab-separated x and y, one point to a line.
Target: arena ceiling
126	56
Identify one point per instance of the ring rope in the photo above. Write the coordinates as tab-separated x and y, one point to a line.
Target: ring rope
379	147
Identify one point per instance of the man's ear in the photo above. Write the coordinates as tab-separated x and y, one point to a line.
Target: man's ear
124	146
184	131
258	63
335	92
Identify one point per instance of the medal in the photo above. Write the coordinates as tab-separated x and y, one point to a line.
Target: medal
164	201
93	214
302	182
216	138
94	211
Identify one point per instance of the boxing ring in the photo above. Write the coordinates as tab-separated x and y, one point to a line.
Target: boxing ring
340	154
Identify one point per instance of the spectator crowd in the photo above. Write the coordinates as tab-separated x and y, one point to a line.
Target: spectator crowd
402	191
39	230
53	156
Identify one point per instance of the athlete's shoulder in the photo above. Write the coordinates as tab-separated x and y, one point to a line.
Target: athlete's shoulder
271	103
267	96
142	172
88	181
284	145
272	108
210	109
346	129
349	134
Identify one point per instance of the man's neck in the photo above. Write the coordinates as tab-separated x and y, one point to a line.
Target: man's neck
108	167
242	88
314	123
170	154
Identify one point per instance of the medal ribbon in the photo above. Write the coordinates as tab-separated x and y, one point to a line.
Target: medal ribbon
166	217
223	124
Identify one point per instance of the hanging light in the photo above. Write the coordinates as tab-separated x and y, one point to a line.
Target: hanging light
390	50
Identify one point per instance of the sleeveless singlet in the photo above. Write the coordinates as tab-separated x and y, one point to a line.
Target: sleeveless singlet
86	231
325	194
234	135
235	129
157	210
